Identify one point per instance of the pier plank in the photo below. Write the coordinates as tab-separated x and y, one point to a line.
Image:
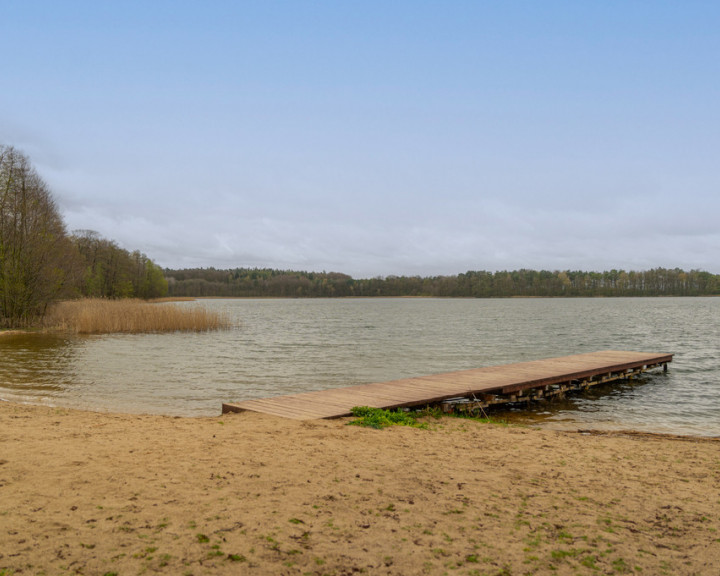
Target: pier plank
420	390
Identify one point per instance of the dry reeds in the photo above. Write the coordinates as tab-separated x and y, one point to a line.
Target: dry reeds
98	316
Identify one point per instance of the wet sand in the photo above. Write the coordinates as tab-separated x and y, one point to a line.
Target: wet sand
94	493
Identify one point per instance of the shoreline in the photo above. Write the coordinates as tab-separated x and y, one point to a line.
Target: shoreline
14	332
91	492
523	418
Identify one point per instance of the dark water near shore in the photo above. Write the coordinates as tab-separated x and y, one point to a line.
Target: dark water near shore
286	346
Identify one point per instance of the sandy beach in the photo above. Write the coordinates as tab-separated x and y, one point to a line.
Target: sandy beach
95	493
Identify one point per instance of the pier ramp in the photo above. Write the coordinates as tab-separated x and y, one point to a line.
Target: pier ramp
522	381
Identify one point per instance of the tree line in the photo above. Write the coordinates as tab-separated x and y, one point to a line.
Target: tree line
266	282
40	262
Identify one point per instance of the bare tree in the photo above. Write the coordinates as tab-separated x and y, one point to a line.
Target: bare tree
36	256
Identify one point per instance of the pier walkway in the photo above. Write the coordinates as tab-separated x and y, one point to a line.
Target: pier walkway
482	386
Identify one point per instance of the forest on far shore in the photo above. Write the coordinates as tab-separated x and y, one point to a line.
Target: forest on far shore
266	282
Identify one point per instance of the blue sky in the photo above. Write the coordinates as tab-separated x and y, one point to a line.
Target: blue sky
376	138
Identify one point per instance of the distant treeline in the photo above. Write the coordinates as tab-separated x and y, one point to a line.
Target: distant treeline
255	282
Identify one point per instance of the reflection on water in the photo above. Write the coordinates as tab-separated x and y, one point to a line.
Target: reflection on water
285	346
36	363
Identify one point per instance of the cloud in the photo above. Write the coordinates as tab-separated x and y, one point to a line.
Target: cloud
257	139
446	235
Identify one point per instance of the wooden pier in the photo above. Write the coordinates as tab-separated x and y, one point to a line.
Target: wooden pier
479	388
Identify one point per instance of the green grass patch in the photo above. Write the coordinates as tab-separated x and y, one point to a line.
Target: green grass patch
379	418
237	558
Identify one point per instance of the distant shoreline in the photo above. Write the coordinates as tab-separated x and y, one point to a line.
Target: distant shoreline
193	298
254	282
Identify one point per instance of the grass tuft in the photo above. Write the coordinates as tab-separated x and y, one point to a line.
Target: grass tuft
99	316
236	558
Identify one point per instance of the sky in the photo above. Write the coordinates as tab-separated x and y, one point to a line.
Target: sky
376	137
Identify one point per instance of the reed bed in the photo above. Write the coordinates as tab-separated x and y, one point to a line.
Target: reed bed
99	316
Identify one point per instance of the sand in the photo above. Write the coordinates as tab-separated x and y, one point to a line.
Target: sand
93	493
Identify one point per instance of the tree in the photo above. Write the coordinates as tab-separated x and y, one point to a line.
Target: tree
149	281
109	269
37	262
112	272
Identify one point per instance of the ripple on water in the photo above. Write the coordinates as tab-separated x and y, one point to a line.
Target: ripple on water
286	346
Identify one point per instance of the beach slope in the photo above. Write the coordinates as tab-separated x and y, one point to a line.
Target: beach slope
94	493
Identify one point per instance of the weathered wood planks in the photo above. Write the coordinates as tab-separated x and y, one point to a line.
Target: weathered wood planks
505	379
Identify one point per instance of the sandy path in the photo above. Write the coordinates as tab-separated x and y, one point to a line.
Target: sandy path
93	493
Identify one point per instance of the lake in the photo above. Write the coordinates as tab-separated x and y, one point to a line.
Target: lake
295	345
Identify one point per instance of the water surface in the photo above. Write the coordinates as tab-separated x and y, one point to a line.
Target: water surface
286	346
